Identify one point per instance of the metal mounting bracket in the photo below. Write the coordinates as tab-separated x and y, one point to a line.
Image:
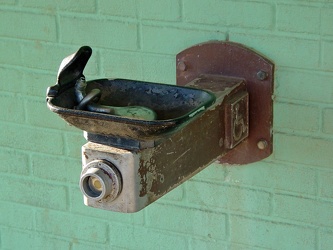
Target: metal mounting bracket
234	60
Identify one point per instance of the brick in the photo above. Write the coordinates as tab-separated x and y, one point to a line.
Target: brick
176	194
155	37
284	51
121	35
36	55
327	55
298	18
160	10
56	168
37	83
13	239
119	236
291	178
31	139
303	150
305	210
34	193
14	162
74	142
10	53
158	68
235	246
229	13
304	85
14	108
11	79
271	234
296	117
194	221
326	240
126	8
88	246
27	26
213	172
44	242
327	21
39	115
16	216
9	2
328	121
326	180
122	65
230	198
71	226
88	6
9	239
47	56
197	244
78	207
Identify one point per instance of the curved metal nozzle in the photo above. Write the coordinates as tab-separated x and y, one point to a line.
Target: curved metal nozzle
71	67
70	70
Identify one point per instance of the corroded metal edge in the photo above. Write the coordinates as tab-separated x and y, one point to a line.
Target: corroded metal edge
235	60
184	154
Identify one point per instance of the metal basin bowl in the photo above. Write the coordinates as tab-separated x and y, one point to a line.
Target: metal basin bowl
173	106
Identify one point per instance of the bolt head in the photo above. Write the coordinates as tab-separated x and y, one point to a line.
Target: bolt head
181	66
262	144
262	75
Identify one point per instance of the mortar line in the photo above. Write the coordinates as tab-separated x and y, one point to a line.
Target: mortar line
189	241
100	64
227	35
145	222
25	111
57	21
274	28
228	227
30	168
139	25
34	221
320	40
97	10
317	183
181	10
108	240
321	118
317	239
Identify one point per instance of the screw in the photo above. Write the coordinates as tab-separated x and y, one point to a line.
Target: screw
181	66
262	144
262	75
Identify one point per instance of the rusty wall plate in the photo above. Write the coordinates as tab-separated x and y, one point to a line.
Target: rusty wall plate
234	60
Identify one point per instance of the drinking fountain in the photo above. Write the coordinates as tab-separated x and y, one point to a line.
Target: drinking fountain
145	139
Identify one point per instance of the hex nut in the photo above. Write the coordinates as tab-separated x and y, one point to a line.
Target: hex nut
181	66
262	75
100	180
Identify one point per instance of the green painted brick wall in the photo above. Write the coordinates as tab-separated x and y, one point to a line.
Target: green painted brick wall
283	202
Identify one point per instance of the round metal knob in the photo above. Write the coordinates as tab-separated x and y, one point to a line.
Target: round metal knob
100	180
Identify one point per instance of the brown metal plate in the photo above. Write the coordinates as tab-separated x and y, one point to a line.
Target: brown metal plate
234	60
